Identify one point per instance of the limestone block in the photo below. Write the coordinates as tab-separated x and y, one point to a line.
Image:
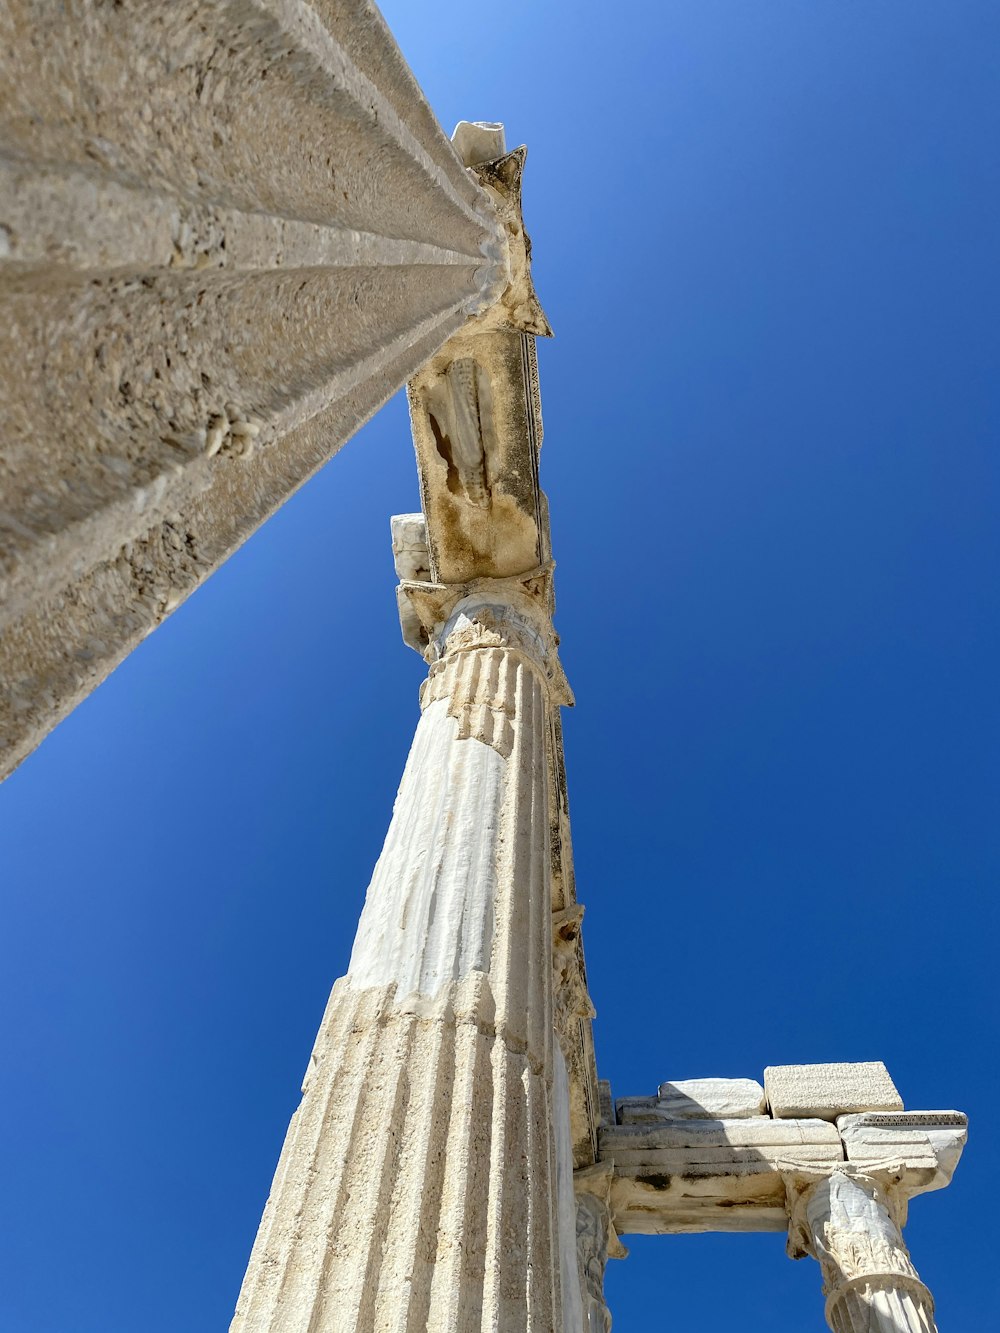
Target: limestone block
830	1090
712	1098
409	547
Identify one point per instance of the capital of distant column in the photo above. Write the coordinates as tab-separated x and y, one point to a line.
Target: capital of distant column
441	621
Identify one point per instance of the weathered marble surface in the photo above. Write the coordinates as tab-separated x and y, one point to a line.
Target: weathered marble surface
696	1099
227	235
709	1175
419	1185
830	1090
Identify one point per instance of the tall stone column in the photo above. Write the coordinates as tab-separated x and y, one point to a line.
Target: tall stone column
850	1221
228	233
417	1189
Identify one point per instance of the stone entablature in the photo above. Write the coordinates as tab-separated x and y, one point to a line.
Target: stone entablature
729	1155
694	1159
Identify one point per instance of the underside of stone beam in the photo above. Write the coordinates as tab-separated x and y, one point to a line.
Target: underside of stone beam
228	234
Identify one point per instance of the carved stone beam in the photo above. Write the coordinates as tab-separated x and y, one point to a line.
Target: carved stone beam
930	1143
228	233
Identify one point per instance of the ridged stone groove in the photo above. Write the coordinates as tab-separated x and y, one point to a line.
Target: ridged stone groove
227	235
874	1309
417	1189
477	687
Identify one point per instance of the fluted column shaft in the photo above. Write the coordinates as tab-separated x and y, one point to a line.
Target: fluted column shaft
848	1222
228	233
417	1189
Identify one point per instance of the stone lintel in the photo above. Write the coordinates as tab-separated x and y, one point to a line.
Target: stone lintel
709	1175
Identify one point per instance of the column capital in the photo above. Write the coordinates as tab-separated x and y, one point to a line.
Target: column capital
439	620
803	1182
850	1219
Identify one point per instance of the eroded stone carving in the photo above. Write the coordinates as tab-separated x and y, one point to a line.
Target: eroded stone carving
850	1221
476	414
459	407
571	1000
596	1241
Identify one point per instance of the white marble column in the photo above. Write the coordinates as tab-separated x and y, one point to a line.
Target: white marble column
850	1221
417	1189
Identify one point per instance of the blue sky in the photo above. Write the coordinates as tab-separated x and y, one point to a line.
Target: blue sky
765	234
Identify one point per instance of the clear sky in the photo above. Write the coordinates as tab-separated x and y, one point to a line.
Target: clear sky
766	236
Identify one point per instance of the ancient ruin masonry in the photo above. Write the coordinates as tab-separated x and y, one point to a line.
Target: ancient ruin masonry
227	235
